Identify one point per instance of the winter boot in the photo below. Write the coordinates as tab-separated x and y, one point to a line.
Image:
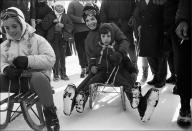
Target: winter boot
160	84
56	78
153	81
81	100
184	120
144	75
55	75
63	74
52	121
83	72
172	79
135	95
64	77
175	90
69	99
147	104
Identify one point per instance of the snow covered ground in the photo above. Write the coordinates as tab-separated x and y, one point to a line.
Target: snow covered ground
108	113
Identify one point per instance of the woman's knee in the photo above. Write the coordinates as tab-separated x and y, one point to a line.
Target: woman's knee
38	77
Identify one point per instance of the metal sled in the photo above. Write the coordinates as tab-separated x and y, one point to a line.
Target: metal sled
98	88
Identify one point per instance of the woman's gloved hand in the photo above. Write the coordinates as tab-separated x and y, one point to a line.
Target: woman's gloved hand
116	58
21	62
12	72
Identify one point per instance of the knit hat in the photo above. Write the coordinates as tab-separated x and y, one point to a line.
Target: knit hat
15	13
91	11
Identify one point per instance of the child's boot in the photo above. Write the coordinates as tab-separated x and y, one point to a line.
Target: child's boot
134	95
81	100
69	99
148	103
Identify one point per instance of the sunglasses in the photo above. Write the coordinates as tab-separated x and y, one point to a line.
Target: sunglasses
9	13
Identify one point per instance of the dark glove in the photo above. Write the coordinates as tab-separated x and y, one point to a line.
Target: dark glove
21	62
11	72
116	58
134	76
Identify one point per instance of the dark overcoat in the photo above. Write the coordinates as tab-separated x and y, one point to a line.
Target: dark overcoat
150	17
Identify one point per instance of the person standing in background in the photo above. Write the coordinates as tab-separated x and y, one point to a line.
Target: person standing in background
59	28
170	39
75	11
150	17
41	9
183	31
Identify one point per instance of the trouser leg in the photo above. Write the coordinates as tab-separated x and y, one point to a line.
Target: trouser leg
171	63
41	85
158	67
100	77
80	46
62	60
57	55
184	74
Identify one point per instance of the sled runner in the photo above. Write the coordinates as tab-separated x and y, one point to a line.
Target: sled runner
97	88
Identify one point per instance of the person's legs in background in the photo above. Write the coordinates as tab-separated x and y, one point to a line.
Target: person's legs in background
62	60
128	31
80	46
184	83
56	49
145	67
172	79
158	67
153	66
169	41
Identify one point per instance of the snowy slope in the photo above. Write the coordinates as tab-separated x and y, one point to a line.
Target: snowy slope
108	113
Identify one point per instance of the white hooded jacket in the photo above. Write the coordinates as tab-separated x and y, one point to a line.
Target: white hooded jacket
39	52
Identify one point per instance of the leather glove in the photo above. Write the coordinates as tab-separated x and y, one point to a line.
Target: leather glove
11	72
21	62
116	58
94	69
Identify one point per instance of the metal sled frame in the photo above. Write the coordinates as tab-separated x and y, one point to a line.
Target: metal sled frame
26	103
98	88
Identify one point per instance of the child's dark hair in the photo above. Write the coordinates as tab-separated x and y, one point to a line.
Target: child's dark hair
104	30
